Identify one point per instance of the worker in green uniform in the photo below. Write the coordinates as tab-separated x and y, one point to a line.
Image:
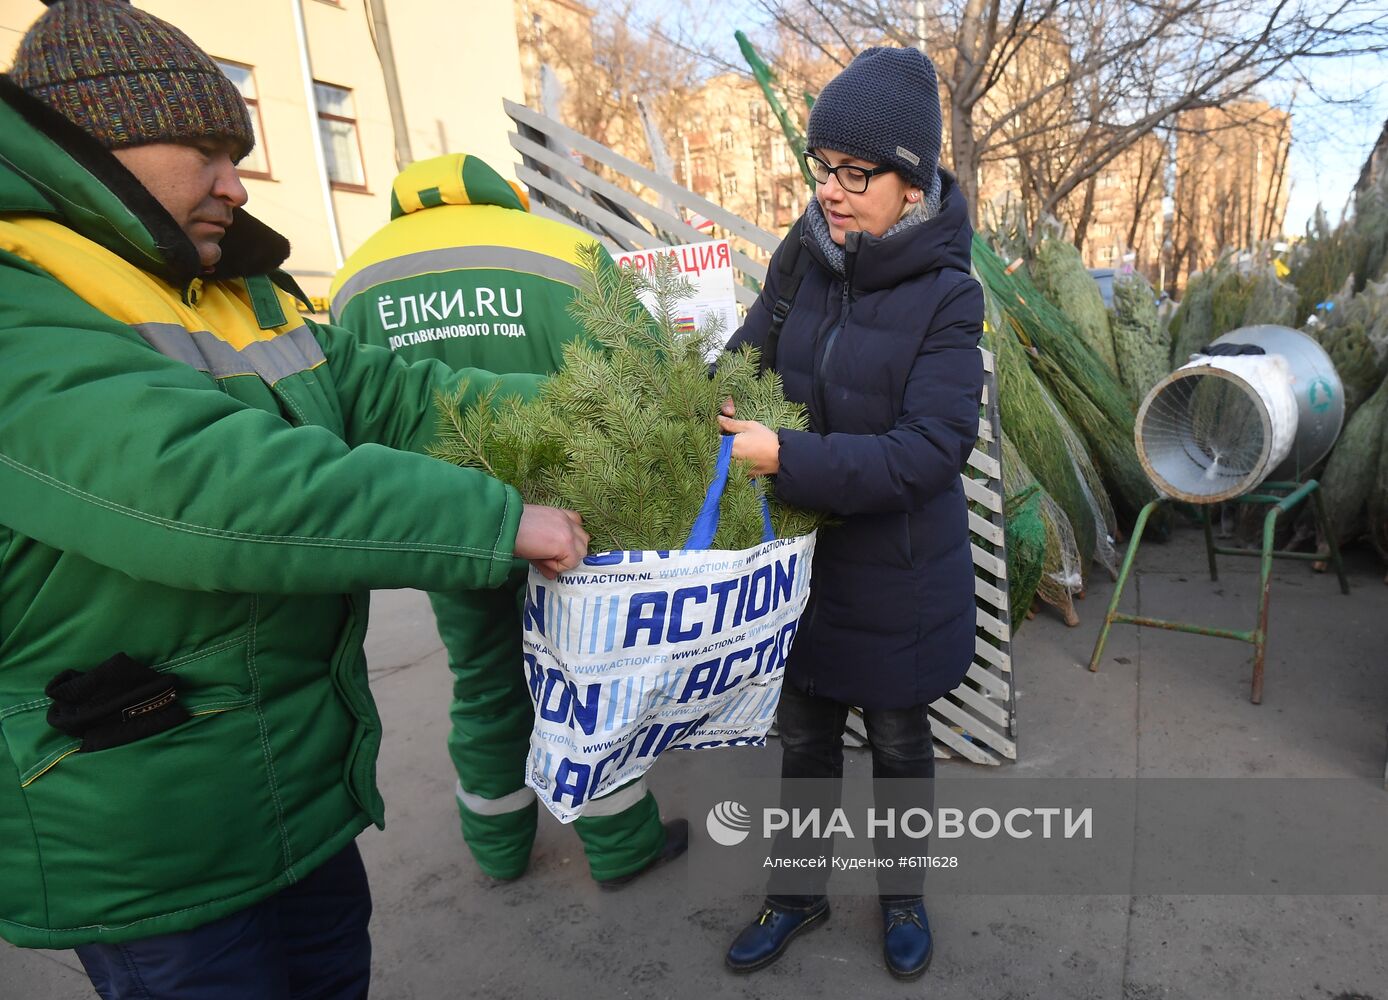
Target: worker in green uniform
465	274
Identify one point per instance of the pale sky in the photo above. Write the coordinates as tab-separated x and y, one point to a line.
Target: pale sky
1330	143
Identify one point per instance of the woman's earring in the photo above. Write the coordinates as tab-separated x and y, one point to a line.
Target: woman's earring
914	196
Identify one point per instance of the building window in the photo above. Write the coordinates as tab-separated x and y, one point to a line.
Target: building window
726	141
730	183
257	163
337	128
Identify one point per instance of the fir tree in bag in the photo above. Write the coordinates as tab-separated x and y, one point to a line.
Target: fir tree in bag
626	434
634	653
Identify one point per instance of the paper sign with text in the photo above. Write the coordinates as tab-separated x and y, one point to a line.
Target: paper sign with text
709	268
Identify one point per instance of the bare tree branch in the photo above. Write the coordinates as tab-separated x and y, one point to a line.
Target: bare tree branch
1065	87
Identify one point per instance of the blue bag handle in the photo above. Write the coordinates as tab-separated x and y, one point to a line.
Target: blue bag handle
706	524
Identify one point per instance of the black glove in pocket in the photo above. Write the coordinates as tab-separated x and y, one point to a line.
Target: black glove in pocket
118	702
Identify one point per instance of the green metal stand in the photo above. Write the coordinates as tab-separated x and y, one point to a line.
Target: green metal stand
1282	497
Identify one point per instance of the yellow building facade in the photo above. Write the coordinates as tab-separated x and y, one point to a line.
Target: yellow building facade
316	86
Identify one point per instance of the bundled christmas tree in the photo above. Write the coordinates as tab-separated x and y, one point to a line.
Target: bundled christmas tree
1060	274
1144	348
1354	332
627	432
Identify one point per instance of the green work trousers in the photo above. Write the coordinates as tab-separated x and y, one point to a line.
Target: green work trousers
492	715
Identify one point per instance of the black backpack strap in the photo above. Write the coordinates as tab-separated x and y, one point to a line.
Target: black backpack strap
790	269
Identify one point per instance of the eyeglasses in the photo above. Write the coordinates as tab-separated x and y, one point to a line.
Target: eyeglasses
852	179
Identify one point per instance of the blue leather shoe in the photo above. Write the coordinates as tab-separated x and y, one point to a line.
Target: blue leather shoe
906	942
762	941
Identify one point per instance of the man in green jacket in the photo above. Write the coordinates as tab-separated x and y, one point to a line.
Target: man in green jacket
198	490
464	273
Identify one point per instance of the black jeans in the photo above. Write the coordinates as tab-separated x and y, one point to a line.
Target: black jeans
811	731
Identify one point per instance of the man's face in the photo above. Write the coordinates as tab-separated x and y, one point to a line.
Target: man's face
196	182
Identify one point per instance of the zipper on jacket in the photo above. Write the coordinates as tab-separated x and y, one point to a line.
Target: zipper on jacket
850	260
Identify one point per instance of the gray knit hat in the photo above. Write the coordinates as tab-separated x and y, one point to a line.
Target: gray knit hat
883	108
127	78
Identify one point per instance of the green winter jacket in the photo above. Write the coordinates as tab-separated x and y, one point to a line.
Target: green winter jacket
193	475
464	273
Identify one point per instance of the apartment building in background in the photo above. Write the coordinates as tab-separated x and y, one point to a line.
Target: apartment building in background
731	150
562	76
1171	202
1168	203
311	74
585	68
546	29
722	141
1126	223
1230	181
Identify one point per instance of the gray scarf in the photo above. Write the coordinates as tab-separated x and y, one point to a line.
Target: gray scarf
833	253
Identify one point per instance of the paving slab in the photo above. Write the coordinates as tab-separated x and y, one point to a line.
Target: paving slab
1288	947
1325	687
50	975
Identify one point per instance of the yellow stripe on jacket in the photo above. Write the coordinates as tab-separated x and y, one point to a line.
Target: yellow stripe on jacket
216	330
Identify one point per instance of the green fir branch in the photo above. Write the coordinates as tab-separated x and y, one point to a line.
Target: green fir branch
626	433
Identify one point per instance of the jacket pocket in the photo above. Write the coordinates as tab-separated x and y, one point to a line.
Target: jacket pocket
211	680
349	680
180	818
867	540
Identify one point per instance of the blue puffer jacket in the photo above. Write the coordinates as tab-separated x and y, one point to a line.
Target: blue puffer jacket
888	364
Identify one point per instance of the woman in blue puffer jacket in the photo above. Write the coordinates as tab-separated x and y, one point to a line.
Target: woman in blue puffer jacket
881	345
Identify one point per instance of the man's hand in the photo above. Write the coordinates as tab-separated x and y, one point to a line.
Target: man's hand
552	539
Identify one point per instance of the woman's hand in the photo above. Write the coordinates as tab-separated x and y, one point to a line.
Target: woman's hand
754	442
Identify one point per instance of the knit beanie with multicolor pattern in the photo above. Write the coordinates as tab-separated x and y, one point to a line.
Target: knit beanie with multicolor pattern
128	78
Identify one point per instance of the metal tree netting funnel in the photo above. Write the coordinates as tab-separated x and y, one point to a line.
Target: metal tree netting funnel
1217	427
